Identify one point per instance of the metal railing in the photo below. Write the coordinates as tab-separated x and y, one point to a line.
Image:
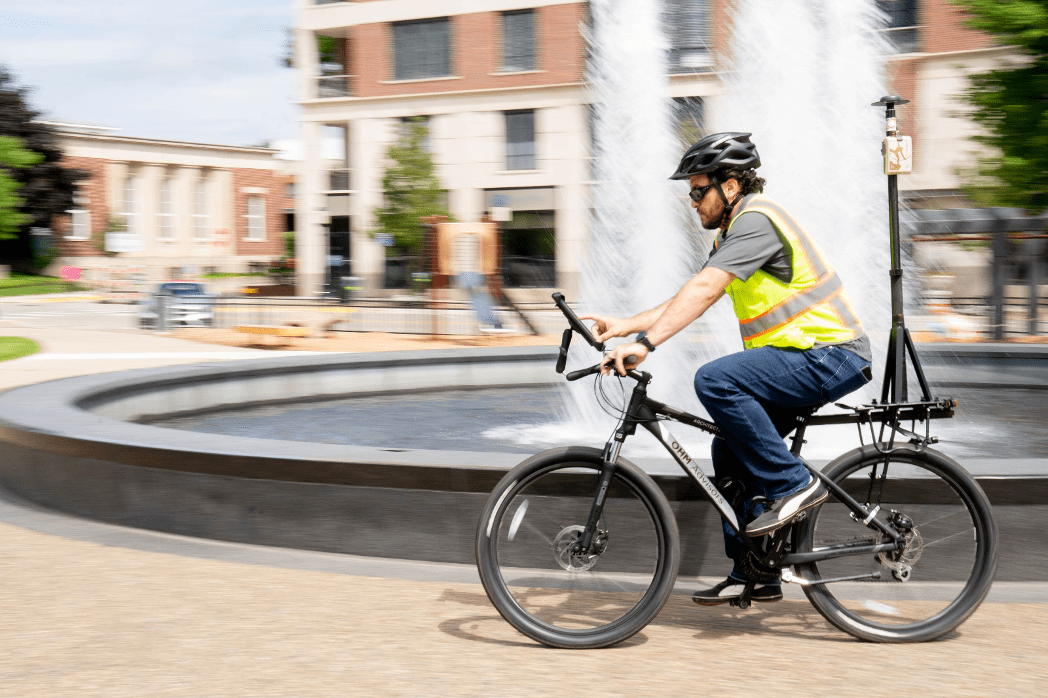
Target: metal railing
334	86
1017	242
423	316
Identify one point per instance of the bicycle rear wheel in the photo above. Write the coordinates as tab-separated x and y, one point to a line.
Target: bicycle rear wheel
924	590
559	598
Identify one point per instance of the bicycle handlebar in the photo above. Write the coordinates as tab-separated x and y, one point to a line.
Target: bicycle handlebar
583	372
575	323
577	326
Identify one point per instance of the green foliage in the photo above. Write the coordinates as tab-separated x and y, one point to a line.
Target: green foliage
411	191
289	244
12	155
31	285
17	347
47	187
1011	104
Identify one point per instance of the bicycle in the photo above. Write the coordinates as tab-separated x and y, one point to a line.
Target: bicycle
578	548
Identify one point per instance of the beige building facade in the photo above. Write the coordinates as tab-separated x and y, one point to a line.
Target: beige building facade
501	85
153	210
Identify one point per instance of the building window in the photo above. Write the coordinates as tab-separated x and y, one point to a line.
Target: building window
407	125
688	28
528	250
130	204
520	140
336	152
901	28
201	219
688	115
333	64
167	210
256	218
518	41
80	217
421	49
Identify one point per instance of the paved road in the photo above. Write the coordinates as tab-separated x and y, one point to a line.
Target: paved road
77	311
102	611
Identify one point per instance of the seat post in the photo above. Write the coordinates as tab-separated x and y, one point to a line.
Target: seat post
797	440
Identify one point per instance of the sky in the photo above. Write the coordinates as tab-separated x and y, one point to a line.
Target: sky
191	70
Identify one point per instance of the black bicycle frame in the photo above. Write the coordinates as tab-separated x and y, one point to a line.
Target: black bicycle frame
652	415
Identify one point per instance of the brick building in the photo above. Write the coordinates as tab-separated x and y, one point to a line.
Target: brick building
502	87
177	209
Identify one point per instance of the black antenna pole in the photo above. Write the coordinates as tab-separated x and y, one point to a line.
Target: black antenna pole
900	344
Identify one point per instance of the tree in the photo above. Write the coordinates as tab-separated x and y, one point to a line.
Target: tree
1011	103
411	190
12	156
46	188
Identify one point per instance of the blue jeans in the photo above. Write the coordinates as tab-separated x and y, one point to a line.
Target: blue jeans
755	397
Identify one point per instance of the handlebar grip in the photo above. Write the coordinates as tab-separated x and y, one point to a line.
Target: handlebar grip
583	372
628	361
575	323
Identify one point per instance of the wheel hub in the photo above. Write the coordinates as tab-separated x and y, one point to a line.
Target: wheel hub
569	557
901	561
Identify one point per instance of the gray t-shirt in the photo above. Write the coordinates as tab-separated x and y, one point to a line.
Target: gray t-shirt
755	244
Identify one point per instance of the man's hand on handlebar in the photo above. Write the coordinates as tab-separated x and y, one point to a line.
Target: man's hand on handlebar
616	358
605	327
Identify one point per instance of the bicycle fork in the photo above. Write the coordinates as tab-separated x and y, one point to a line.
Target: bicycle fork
627	427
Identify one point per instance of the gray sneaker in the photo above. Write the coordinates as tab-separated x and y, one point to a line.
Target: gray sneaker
731	590
782	511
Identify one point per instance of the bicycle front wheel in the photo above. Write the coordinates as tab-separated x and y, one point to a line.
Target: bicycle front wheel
931	585
554	595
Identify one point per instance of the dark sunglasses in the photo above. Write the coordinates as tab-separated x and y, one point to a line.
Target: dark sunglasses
697	193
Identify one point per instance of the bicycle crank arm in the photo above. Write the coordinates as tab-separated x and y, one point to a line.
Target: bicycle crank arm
790	578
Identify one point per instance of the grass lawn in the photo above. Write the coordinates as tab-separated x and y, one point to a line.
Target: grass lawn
26	284
17	347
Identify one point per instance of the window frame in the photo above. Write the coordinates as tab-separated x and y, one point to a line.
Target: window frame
79	217
532	58
201	212
166	210
420	71
689	28
514	160
256	222
129	204
904	38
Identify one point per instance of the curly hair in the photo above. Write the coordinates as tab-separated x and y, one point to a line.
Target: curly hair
748	180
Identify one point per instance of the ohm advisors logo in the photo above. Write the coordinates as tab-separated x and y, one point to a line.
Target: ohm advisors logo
679	450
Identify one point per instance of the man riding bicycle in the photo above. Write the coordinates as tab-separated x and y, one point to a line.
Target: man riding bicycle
804	344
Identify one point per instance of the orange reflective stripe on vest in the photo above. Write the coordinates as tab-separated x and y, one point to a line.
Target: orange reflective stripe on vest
811	308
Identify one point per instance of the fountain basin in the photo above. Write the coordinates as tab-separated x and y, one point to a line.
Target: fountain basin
71	445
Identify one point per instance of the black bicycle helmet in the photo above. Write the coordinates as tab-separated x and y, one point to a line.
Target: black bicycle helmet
716	151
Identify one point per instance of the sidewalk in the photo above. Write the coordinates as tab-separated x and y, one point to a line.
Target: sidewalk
86	614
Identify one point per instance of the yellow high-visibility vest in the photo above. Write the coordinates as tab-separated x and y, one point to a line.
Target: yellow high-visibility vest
812	308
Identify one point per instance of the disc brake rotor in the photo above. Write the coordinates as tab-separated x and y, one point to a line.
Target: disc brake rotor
900	562
574	561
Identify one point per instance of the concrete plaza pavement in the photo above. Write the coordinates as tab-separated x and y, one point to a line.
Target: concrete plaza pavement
96	610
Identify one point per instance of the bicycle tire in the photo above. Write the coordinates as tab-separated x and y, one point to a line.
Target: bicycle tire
955	546
528	523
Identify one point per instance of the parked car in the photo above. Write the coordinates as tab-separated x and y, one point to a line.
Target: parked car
177	304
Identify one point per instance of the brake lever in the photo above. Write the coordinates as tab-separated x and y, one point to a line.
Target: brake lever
562	358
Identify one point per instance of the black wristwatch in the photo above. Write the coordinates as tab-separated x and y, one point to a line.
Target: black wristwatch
642	339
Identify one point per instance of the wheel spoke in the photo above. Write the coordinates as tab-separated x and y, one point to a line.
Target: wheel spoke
929	585
559	596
